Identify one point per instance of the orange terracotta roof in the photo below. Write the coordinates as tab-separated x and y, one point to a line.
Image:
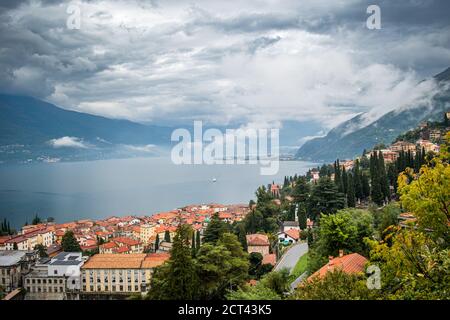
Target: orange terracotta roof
122	249
154	260
127	241
115	261
293	233
257	239
269	259
109	245
350	263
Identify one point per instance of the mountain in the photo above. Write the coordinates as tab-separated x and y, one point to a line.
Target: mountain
350	138
30	128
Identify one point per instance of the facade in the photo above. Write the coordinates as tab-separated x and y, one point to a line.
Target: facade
258	243
115	274
287	225
289	236
13	264
403	146
29	240
55	278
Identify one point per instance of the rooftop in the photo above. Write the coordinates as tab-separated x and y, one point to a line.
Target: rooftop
350	263
257	239
11	257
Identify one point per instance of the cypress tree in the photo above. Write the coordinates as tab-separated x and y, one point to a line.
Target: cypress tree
351	201
157	242
302	217
365	185
167	236
344	180
197	240
357	181
193	248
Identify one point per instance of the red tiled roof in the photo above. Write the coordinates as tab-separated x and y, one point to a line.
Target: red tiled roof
109	245
293	233
269	259
350	263
257	239
122	249
127	241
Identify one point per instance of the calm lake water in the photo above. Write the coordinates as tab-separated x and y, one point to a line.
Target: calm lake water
139	186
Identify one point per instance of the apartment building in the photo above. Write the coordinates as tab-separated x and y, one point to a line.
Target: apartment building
13	264
115	274
55	278
29	240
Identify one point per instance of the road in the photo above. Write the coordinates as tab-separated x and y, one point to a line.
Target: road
290	258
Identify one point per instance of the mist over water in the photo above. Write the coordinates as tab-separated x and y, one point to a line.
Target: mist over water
138	186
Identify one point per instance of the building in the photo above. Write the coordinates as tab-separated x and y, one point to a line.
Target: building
389	156
435	135
287	225
428	146
258	243
275	190
289	236
29	240
403	146
122	245
13	264
55	278
270	258
350	263
116	275
165	246
144	232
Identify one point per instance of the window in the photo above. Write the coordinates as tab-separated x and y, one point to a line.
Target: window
73	281
55	271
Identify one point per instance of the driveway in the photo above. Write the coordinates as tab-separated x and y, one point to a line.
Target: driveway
290	257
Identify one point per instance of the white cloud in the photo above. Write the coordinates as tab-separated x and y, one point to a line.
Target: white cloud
68	142
145	148
260	62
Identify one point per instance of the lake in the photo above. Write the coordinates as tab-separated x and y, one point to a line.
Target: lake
139	186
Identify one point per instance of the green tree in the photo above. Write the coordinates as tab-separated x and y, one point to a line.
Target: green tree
351	199
69	243
221	267
215	229
336	285
157	242
167	236
36	219
42	251
177	278
255	260
193	248
345	230
428	197
198	241
326	198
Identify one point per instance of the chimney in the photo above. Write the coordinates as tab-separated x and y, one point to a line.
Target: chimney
341	253
330	261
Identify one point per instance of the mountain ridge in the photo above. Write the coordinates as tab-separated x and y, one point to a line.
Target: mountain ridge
338	145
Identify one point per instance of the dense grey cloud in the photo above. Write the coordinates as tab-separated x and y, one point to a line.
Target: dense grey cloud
254	63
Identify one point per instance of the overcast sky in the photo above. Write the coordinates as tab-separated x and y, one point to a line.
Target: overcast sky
225	62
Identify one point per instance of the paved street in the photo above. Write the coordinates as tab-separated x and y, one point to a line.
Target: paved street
290	258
